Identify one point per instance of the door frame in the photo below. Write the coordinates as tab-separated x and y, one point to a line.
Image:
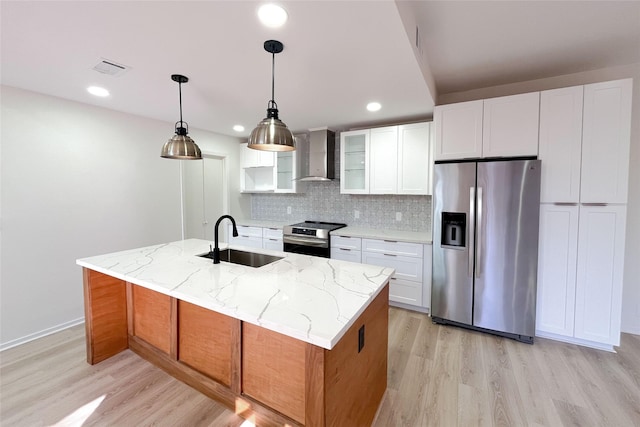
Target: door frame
225	185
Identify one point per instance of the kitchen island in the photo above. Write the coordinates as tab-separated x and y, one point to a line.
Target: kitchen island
300	341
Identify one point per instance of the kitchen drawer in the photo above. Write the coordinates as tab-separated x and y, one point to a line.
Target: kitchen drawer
405	291
346	254
392	247
253	242
273	244
247	231
407	268
271	233
346	242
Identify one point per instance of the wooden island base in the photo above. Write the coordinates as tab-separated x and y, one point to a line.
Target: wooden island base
264	376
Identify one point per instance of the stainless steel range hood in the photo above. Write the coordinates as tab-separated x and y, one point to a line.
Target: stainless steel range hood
322	162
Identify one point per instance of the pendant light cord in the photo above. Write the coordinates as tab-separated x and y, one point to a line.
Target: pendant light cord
273	79
180	95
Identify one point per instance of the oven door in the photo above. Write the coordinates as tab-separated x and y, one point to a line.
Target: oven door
306	246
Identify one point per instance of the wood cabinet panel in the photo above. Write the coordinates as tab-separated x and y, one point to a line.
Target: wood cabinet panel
105	309
355	381
273	370
152	317
205	341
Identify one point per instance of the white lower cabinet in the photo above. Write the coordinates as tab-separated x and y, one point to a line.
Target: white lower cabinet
406	285
272	239
599	275
557	258
346	248
247	236
580	267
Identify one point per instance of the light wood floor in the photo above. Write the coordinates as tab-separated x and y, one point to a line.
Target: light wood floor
438	375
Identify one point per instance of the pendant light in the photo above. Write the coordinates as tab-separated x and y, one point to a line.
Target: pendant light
271	134
181	146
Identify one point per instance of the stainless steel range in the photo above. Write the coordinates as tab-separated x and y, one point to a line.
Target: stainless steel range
309	238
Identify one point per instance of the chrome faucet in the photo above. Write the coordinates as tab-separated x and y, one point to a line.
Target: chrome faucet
216	249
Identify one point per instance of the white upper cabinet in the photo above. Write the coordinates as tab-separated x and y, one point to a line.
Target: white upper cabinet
256	158
414	159
458	131
510	126
269	171
560	144
383	160
354	162
386	160
605	142
498	127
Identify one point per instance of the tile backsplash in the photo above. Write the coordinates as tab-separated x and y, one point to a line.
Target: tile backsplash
322	201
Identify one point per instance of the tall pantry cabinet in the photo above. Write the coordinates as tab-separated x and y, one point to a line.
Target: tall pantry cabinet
584	148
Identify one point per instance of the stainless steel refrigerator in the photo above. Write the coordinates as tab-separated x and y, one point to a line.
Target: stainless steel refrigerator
485	245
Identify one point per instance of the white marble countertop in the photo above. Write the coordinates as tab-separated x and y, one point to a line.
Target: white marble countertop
368	233
312	299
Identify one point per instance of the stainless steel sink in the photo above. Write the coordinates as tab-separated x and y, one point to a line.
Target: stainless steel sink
251	259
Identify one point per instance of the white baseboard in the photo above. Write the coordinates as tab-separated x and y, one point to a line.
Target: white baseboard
13	343
577	341
424	310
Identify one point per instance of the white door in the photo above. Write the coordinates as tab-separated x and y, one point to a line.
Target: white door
204	196
599	274
560	144
557	258
605	142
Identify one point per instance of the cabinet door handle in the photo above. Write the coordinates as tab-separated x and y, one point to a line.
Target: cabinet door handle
594	204
565	204
345	249
390	241
390	255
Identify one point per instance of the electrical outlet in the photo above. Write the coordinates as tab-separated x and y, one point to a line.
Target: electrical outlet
360	338
356	214
398	216
288	210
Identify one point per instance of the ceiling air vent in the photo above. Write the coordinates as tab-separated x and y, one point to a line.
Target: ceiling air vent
111	68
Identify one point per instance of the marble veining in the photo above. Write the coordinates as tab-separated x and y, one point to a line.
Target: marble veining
312	299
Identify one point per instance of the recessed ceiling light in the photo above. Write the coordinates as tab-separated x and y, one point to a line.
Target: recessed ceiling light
238	128
374	106
272	15
98	91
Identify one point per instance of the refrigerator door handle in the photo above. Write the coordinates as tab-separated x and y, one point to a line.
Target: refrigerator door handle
479	233
471	222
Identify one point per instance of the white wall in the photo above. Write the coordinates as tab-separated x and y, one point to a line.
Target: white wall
631	295
77	181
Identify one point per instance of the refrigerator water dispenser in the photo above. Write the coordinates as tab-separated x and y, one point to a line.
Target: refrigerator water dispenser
454	228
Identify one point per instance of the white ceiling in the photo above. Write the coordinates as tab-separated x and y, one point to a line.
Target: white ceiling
338	55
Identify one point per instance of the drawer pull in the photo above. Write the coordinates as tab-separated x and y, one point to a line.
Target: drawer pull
345	249
390	241
390	255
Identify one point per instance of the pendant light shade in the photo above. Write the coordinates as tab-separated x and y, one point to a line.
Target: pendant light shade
272	134
181	146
